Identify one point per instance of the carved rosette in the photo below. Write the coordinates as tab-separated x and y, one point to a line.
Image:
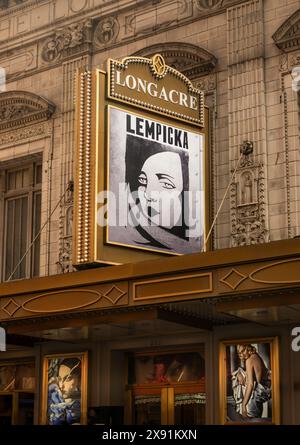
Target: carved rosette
207	84
106	31
248	205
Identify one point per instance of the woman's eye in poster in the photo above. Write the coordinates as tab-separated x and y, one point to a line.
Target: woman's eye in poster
64	387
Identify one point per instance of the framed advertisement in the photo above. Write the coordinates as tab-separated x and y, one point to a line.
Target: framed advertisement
64	397
139	126
156	183
249	381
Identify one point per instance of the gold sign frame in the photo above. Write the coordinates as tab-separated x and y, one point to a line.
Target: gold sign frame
162	73
90	176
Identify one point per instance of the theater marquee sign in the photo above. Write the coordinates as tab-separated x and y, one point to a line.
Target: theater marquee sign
151	84
140	163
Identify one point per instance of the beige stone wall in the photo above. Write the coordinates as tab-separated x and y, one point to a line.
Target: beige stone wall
282	128
249	93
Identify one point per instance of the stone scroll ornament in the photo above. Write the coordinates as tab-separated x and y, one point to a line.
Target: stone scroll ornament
73	36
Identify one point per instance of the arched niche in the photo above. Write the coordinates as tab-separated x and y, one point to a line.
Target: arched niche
191	60
21	108
287	37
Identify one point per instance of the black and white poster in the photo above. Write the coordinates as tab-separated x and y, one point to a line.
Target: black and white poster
156	185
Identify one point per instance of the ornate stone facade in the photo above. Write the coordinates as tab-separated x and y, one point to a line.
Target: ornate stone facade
245	56
246	80
21	108
287	36
248	201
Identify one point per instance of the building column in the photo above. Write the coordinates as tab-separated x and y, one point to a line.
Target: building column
247	124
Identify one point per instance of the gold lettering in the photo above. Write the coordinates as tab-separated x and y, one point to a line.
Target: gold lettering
183	100
142	85
193	102
163	94
152	89
172	92
118	80
130	82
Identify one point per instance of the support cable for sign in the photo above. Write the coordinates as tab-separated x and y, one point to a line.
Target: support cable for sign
223	200
69	188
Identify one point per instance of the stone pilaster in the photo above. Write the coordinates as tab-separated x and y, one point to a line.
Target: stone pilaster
247	122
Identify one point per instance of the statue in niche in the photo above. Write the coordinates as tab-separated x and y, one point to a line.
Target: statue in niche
69	221
247	189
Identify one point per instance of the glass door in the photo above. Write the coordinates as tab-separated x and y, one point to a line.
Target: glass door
190	409
166	388
166	406
150	406
147	410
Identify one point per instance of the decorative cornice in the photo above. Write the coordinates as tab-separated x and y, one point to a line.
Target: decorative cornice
14	5
190	60
113	24
13	137
20	108
287	37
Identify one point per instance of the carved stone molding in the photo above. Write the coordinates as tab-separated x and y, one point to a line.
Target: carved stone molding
191	60
4	4
288	61
207	83
248	204
67	42
104	26
30	132
287	37
20	108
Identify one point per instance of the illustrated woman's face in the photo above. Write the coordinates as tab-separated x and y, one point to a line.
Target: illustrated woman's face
243	353
68	383
160	188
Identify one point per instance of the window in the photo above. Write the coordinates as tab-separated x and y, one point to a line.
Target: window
21	221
